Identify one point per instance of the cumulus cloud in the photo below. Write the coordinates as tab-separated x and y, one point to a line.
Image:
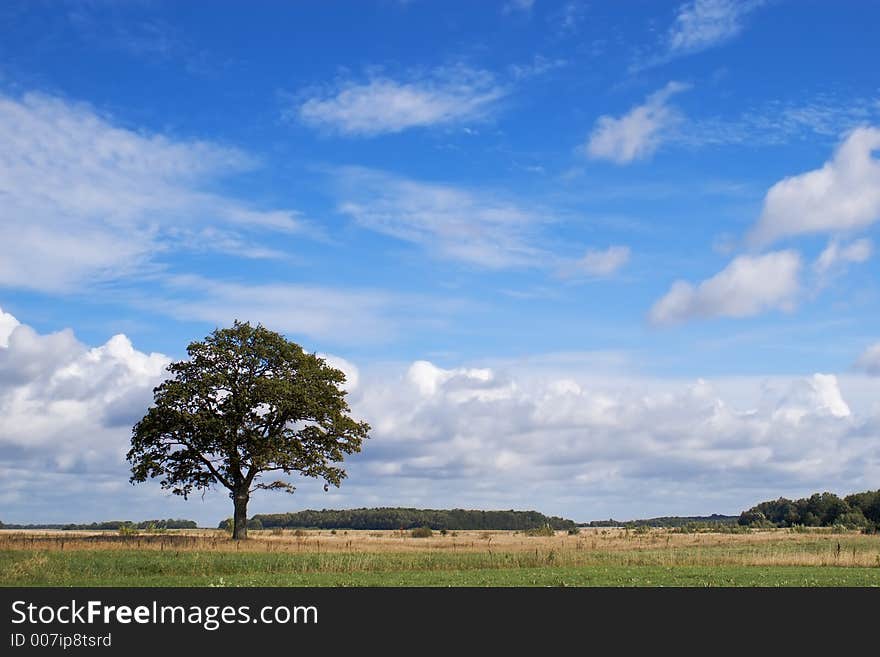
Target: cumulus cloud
588	443
85	198
383	105
7	325
479	228
544	432
66	412
843	195
869	360
747	286
637	134
837	255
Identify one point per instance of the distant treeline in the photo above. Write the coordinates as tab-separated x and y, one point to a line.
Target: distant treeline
170	523
667	521
818	510
404	518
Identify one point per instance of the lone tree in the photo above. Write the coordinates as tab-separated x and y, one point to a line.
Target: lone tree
248	402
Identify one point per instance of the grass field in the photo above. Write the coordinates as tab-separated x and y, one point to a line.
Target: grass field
606	557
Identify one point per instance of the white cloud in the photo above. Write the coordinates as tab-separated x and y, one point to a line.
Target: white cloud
869	360
538	66
774	122
843	195
85	198
351	371
819	394
7	326
382	105
637	134
702	24
552	433
455	223
747	286
596	262
67	410
836	255
569	440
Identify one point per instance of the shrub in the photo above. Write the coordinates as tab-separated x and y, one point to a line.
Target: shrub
574	531
422	532
127	530
543	530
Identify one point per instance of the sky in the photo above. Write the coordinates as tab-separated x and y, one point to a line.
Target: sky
596	259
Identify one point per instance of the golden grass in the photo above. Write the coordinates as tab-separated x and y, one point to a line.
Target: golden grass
777	547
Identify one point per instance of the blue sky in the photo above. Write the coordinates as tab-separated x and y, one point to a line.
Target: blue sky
591	258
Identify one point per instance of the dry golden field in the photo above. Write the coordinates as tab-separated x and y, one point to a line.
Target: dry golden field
603	557
818	547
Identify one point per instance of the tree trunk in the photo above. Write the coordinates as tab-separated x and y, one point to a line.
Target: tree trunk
239	519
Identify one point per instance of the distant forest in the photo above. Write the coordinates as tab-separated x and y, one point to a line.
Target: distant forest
859	510
666	521
170	523
406	518
856	511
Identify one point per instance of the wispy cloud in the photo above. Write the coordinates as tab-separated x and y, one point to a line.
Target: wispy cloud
85	198
702	24
518	6
699	25
637	134
383	105
782	121
318	312
836	256
566	20
538	66
479	228
598	262
131	28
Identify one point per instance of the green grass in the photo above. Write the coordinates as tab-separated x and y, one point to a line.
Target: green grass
131	568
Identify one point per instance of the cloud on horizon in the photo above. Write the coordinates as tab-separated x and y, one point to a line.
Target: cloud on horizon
557	436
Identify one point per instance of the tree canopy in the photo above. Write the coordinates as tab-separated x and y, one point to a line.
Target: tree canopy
246	404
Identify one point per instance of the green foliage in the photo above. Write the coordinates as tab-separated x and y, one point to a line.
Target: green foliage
819	510
713	521
130	568
422	532
543	530
246	403
254	523
127	530
408	518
